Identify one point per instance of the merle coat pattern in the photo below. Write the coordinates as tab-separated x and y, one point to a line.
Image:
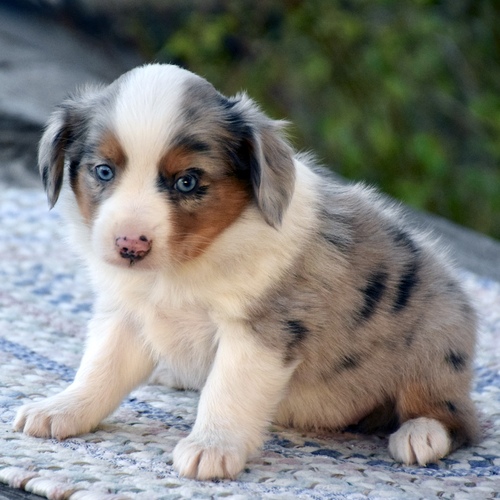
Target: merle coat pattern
247	272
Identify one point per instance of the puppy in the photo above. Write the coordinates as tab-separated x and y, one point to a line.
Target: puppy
278	293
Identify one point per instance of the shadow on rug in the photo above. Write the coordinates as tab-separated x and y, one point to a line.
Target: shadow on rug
45	303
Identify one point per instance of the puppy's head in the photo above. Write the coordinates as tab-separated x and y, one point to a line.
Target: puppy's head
160	164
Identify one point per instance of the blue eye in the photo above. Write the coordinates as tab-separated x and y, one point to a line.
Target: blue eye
104	173
186	184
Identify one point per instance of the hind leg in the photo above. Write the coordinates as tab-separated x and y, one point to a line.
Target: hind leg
434	423
420	440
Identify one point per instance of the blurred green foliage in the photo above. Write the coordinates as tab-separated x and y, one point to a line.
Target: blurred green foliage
402	94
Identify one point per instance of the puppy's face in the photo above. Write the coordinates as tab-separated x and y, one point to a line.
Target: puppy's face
160	164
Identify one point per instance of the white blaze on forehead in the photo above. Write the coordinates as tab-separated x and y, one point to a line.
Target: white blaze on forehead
146	116
148	111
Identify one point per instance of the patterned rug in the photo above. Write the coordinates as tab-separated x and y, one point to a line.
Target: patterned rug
45	303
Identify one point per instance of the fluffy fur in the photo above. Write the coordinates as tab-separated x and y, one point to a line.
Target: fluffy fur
251	275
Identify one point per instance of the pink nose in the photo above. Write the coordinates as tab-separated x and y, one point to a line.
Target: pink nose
133	249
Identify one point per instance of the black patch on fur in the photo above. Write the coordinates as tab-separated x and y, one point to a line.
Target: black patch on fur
383	419
244	160
451	407
45	176
234	120
403	239
64	138
457	360
58	143
192	143
74	167
406	286
239	146
225	103
58	183
349	362
298	332
373	294
199	193
240	151
163	184
410	277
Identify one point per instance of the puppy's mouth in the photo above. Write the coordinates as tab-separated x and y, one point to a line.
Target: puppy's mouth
144	263
133	256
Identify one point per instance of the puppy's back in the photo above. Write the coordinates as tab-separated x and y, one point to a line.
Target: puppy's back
377	320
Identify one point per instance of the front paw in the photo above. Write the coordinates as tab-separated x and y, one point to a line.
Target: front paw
57	417
205	459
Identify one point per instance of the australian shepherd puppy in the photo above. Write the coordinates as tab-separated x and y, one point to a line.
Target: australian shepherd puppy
254	277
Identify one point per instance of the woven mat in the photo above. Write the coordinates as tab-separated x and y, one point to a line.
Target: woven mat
45	303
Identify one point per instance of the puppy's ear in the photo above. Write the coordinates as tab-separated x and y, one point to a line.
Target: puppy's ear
273	173
55	140
268	157
67	124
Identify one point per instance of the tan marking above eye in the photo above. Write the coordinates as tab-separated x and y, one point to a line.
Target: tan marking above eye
111	150
176	161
